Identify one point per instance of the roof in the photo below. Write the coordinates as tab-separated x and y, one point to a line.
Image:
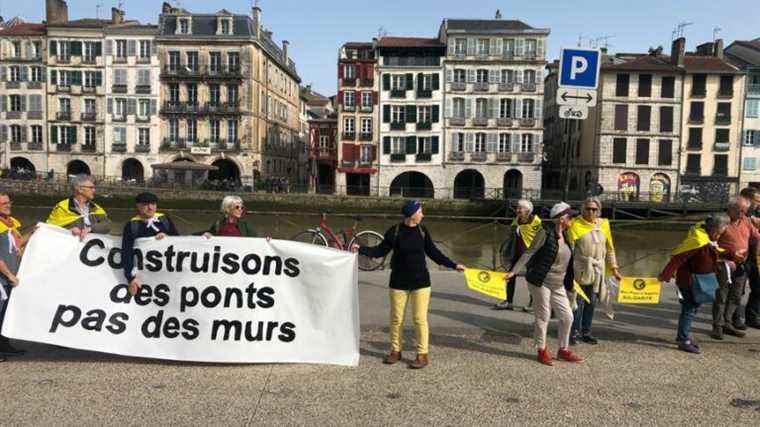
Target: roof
708	64
133	29
24	30
90	23
744	54
313	97
639	62
357	45
486	25
409	42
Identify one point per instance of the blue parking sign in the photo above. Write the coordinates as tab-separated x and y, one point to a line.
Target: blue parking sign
579	68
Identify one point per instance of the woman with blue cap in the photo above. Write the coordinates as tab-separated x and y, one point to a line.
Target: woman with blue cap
411	243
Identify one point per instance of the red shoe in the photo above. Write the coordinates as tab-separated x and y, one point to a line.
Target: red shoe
568	356
544	357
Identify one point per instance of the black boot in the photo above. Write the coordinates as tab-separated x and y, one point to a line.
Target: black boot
9	350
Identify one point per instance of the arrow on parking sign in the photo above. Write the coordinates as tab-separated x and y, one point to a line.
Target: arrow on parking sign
587	97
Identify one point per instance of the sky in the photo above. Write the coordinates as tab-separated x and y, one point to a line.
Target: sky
316	29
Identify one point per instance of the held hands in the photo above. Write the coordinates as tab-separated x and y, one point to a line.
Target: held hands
81	232
206	236
134	286
616	274
160	236
508	276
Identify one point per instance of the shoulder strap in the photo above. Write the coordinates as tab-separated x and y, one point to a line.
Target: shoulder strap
423	232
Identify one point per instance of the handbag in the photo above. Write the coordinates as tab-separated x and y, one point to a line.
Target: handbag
704	287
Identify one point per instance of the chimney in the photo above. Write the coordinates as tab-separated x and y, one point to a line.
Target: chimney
257	21
718	48
498	14
705	49
117	16
603	50
166	8
285	45
678	51
56	11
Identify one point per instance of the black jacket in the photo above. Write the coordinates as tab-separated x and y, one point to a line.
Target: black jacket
541	262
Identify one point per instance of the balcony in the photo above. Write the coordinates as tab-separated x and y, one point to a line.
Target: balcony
34	115
347	164
694	145
63	116
12	85
348	136
142	119
527	123
480	121
506	87
366	108
722	146
142	89
118	147
457	121
528	87
13	115
326	153
62	88
88	148
180	108
530	56
503	157
481	87
365	137
223	145
34	85
456	156
398	158
90	116
119	118
509	55
181	72
365	163
726	93
458	86
349	82
398	93
119	59
173	144
504	121
423	157
62	59
34	146
221	109
88	89
698	92
424	126
143	60
349	108
63	148
16	146
226	72
398	126
722	119
696	120
478	157
424	93
142	148
526	157
89	60
366	82
119	89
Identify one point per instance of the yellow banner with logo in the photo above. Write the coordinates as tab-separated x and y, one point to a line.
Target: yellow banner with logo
639	290
486	282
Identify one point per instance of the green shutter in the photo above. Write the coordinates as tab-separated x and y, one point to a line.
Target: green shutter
53	77
98	48
411	113
76	78
386	113
386	81
436	81
409	81
411	145
434	145
54	134
386	145
435	115
53	48
76	48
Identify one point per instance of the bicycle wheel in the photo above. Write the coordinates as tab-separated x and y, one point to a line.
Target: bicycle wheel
368	238
311	237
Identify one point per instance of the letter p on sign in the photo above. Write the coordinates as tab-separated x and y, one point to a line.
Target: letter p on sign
579	68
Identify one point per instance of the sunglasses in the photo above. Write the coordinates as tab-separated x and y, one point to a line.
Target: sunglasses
591	209
237	208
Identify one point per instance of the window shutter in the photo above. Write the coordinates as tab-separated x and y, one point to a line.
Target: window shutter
53	77
109	104
53	48
153	47
449	108
99	78
22	100
469	143
493	108
539	77
3	133
420	78
434	145
468	108
109	47
436	80
519	47
98	48
493	76
54	134
492	47
386	145
131	106
76	48
3	103
386	81
449	76
24	73
517	114
341	95
470	47
3	74
72	134
538	141
131	47
540	48
518	76
491	140
435	114
386	113
470	76
409	81
153	107
76	78
451	47
411	113
515	142
411	144
539	112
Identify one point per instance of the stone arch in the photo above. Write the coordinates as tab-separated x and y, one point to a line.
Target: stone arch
132	170
228	169
659	188
412	184
23	167
469	184
628	186
513	184
77	167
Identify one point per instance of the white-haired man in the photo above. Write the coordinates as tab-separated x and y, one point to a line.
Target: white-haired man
525	225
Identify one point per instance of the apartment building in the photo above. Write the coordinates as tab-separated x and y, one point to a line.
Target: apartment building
746	56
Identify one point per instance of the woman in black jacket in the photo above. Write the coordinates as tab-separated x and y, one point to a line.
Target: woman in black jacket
411	244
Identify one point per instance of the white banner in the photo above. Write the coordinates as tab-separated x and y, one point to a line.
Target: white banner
225	299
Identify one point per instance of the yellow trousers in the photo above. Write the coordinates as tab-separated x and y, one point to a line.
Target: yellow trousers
420	302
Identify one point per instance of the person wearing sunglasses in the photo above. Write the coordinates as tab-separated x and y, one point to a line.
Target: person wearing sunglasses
231	223
79	213
594	260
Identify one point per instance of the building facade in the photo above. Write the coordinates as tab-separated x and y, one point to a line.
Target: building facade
357	172
411	130
323	153
746	56
23	103
493	96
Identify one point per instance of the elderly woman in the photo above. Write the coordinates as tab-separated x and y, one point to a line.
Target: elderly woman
594	258
79	213
231	224
694	263
549	270
524	229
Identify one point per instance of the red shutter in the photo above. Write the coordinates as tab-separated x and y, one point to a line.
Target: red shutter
374	97
340	70
357	152
374	153
348	152
340	97
360	70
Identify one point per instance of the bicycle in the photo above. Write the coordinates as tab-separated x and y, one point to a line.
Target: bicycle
322	234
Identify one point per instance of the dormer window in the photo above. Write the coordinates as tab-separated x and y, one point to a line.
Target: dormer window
224	26
17	49
184	26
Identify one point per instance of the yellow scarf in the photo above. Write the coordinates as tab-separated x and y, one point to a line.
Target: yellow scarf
695	239
63	215
580	227
139	218
528	231
11	225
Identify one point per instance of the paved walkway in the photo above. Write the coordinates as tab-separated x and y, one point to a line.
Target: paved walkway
482	372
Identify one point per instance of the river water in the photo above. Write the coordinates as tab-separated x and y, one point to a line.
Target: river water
642	248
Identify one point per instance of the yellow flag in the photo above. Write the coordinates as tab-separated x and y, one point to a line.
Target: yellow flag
486	282
639	290
578	290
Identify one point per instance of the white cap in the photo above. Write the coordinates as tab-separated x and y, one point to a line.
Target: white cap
560	209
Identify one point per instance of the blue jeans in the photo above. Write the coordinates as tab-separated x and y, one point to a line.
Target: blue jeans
689	310
584	314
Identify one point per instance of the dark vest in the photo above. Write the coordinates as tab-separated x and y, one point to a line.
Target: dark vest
541	262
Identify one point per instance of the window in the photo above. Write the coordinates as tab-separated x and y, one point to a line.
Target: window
398	82
665	153
666	119
213	130
459	108
192	61
752	137
398	114
722	136
324	141
120	107
698	85
424	114
214	94
232	130
458	142
366	126
424	145
348	126
697	112
621	117
724	112
460	46
529	108
192	130
233	61
695	138
726	86
693	164
36	74
64	105
526	143
619	149
427	82
37	50
225	26
645	85
504	143
482	76
460	76
509	47
621	88
192	94
529	77
64	78
143	108
37	134
349	100
15	74
143	136
89	136
64	53
366	154
530	47
17	49
643	117
89	53
505	108
483	45
121	49
398	145
749	164
184	26
174	93
720	165
507	76
753	108
16	134
480	143
232	94
89	106
642	151
144	49
215	62
349	72
173	129
668	87
481	108
174	61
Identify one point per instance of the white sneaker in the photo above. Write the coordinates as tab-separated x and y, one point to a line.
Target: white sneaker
504	305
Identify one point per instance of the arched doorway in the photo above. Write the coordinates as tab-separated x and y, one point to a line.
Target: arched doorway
659	188
226	177
628	186
469	184
412	184
513	182
22	168
132	171
77	167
